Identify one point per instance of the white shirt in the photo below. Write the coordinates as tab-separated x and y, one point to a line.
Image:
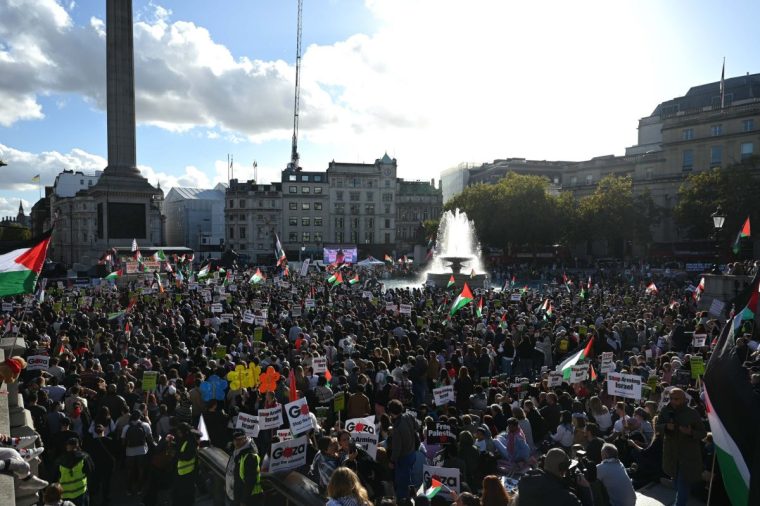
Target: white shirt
621	423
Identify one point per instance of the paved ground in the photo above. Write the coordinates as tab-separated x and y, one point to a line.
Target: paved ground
659	495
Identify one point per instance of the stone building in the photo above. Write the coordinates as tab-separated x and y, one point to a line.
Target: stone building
195	219
253	214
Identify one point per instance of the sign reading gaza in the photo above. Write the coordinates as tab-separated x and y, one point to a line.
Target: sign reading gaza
288	455
446	475
362	431
298	416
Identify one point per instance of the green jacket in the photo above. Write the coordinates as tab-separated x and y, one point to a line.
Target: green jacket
682	452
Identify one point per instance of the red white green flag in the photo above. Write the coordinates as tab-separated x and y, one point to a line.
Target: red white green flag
20	268
335	279
503	324
354	280
462	300
700	288
451	282
257	277
114	275
479	311
573	359
435	487
744	232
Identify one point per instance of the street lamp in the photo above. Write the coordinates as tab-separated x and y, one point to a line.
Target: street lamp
718	218
300	252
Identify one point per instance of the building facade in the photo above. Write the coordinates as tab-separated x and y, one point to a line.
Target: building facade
305	213
253	214
417	202
195	219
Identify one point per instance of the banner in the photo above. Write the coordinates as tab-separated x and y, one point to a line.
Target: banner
441	434
249	423
349	255
578	373
37	363
319	364
270	418
248	317
448	476
287	455
716	307
699	340
298	416
555	379
362	430
624	385
444	395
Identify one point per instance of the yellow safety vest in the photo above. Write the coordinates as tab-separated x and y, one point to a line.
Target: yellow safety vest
256	488
73	481
185	466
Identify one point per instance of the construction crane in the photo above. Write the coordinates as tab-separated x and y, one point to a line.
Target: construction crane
294	158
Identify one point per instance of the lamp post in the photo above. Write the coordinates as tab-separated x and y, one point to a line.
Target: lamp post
718	218
300	252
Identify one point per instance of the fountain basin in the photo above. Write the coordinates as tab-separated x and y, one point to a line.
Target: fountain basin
441	279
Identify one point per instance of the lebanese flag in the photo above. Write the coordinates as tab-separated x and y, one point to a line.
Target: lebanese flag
462	300
20	268
732	410
573	359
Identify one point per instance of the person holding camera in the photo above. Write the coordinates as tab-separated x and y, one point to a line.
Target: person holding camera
683	431
553	483
613	476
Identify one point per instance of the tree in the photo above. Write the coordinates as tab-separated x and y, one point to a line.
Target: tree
430	228
735	188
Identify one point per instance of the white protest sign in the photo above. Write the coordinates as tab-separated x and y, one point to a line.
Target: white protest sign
444	395
716	308
555	379
226	317
249	423
405	309
366	295
232	288
270	418
608	364
305	267
310	304
390	308
260	321
699	340
298	416
319	364
37	363
288	455
515	297
448	476
247	317
624	385
216	308
284	434
578	373
362	430
295	310
7	307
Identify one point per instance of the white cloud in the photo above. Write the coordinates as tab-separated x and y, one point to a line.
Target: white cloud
9	207
23	165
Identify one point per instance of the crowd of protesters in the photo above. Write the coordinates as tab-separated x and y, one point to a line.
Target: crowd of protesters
513	438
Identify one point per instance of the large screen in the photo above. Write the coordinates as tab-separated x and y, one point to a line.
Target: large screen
349	255
126	221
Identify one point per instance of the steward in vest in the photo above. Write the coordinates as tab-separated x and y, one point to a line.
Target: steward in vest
186	445
74	467
243	476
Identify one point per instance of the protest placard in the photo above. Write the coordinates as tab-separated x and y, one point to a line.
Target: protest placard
287	455
608	363
7	307
260	321
295	310
220	351
149	381
390	308
448	476
249	423
366	295
363	432
304	267
578	373
624	385
699	340
716	307
515	297
248	317
310	304
339	402
270	418
319	364
284	434
697	366
405	309
555	379
444	395
216	308
298	416
258	334
441	434
37	363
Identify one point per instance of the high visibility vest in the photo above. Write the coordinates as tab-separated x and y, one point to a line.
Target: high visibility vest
257	487
73	481
185	466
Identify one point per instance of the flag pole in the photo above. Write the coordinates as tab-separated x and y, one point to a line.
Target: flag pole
712	477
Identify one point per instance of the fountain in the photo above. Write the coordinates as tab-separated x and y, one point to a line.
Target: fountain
456	249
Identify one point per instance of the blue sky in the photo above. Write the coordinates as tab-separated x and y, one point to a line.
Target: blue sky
432	82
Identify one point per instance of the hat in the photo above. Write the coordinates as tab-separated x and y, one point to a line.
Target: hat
556	461
238	433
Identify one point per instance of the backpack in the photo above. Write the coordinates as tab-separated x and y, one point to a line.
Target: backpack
135	435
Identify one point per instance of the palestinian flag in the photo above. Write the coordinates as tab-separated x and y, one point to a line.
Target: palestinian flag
279	253
114	275
286	272
160	285
335	279
573	359
651	288
354	280
503	324
257	277
524	289
464	298
734	414
700	288
20	268
593	372
328	377
204	272
584	292
744	232
116	315
451	282
435	487
159	256
479	311
545	307
549	312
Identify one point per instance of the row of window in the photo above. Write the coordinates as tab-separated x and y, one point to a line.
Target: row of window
242	205
356	208
370	222
356	196
305	206
746	150
305	189
357	182
369	238
305	222
317	178
305	237
748	125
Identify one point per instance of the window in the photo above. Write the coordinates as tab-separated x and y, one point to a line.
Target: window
748	125
317	222
687	160
232	203
242	233
293	222
317	178
242	246
355	182
648	174
305	178
317	206
305	206
261	203
589	178
369	208
339	236
317	190
688	134
293	189
340	208
242	217
387	183
273	203
89	183
305	189
84	236
370	183
716	130
370	222
573	180
317	237
339	222
387	197
292	177
231	246
306	237
242	203
387	223
370	196
354	209
746	150
232	232
293	237
354	196
387	209
293	206
339	183
716	155
305	222
81	182
339	195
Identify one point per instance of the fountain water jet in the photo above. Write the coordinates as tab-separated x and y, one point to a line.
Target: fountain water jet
456	249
